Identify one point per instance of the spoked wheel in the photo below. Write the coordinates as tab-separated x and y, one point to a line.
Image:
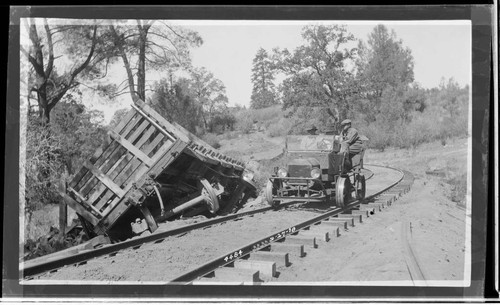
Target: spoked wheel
342	191
270	193
360	187
210	196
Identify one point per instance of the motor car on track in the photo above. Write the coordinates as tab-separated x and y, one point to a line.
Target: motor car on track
316	169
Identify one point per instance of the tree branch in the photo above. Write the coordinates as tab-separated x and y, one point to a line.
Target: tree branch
50	64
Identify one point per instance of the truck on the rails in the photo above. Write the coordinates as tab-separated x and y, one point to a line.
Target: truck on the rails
152	170
315	170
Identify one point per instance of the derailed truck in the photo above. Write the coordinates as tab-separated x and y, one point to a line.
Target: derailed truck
151	170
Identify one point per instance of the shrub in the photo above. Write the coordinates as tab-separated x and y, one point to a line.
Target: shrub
244	124
379	135
262	118
279	128
211	140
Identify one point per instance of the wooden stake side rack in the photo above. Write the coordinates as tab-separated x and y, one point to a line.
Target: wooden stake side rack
145	150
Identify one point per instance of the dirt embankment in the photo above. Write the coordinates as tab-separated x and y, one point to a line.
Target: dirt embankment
370	252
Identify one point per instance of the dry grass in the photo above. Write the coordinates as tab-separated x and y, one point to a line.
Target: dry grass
40	221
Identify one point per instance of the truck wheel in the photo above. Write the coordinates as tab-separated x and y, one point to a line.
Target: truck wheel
270	192
360	187
342	191
211	197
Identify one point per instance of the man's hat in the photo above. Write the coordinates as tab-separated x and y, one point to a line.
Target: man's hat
345	122
312	128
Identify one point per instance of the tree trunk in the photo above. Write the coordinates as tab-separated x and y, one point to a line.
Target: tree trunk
141	69
130	76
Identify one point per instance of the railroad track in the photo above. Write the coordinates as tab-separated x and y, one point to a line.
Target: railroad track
30	269
256	262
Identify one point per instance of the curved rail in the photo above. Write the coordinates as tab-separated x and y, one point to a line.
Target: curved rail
30	268
256	245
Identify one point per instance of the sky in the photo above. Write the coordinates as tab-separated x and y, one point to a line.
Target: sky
440	49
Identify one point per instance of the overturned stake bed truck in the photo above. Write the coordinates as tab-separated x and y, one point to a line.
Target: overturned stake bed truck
152	170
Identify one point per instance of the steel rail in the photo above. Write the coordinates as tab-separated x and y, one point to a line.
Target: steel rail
234	255
29	269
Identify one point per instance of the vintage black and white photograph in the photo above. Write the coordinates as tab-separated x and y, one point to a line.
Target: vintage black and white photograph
245	152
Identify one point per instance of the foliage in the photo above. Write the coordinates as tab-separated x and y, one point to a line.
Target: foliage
244	124
118	116
222	122
280	128
384	72
264	91
43	165
151	45
415	127
247	119
318	74
212	140
304	117
57	149
174	102
209	93
48	46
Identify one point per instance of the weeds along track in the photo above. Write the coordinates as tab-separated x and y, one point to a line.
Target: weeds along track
233	260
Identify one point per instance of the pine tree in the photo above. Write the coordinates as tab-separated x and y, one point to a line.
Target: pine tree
264	91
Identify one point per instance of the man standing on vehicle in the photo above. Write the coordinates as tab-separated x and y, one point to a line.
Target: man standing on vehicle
351	143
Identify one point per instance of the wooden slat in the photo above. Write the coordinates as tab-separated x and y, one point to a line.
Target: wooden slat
110	164
163	149
168	158
105	156
119	165
87	183
80	198
97	154
84	176
112	173
158	139
79	209
105	208
128	117
132	167
138	131
131	148
93	183
132	128
112	158
146	137
115	155
105	179
79	180
127	158
176	132
116	209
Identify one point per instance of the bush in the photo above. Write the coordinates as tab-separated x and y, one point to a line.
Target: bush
431	125
262	118
244	124
458	189
279	129
211	140
54	150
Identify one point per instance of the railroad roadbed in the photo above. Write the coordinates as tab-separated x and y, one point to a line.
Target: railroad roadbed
371	250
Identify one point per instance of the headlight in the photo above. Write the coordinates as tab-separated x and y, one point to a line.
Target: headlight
282	172
315	173
248	175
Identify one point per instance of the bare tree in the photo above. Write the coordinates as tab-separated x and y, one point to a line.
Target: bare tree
150	45
50	81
